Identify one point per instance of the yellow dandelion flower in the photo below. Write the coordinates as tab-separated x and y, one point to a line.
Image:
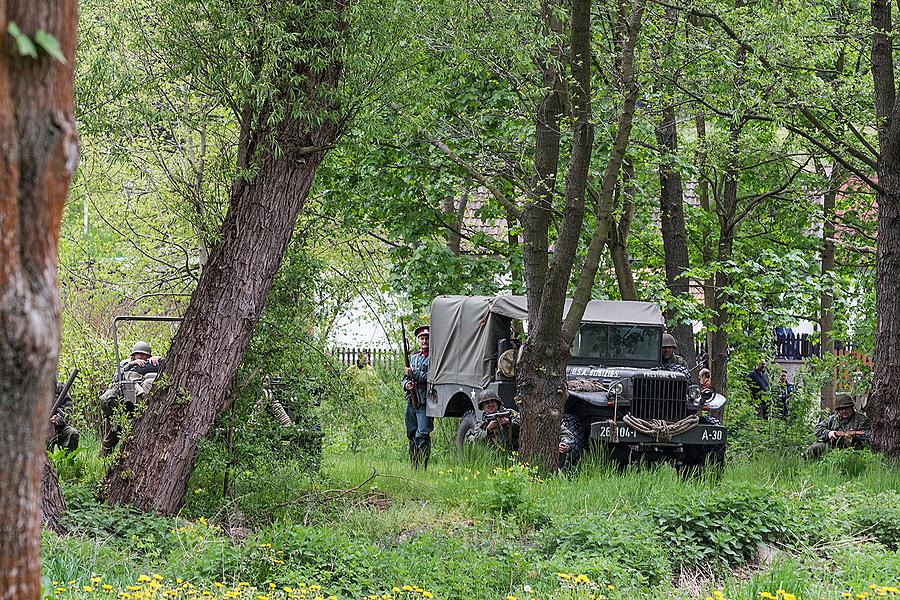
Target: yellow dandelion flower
426	594
407	588
88	588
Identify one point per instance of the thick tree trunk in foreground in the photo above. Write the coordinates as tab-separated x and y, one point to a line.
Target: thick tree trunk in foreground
884	404
883	408
38	155
157	459
541	397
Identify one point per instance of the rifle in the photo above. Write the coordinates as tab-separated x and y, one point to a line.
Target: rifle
502	413
410	394
61	396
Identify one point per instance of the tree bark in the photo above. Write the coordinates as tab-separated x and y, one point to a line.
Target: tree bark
53	505
674	232
156	461
38	155
547	351
826	316
617	239
884	407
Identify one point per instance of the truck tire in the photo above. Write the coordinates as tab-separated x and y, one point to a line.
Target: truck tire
578	427
704	459
466	424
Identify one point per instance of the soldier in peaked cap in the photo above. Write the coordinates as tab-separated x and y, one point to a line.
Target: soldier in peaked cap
418	424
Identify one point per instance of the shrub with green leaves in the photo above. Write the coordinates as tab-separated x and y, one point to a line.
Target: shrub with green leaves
720	527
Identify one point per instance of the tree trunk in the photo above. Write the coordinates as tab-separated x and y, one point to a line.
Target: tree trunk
38	155
706	249
541	395
53	505
883	407
674	233
617	239
826	317
156	461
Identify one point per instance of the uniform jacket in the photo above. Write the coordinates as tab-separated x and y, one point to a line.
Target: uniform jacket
419	364
858	422
506	436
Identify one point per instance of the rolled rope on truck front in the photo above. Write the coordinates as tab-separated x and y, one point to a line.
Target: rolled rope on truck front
661	431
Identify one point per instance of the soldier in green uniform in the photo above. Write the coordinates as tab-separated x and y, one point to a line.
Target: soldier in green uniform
502	431
64	435
671	360
141	369
844	428
418	424
363	378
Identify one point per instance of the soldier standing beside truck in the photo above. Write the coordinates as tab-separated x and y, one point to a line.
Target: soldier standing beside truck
418	424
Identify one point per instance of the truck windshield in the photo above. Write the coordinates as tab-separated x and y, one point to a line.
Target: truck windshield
617	342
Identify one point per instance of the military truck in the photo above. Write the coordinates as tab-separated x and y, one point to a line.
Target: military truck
619	395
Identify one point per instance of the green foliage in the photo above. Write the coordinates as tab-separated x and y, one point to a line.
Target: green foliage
629	546
506	492
722	527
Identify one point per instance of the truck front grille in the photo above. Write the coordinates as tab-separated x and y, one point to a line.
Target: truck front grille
659	399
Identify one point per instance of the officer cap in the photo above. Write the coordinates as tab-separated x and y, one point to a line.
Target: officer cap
423	330
843	400
487	396
669	340
143	348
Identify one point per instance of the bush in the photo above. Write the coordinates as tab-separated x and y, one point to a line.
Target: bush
593	544
720	528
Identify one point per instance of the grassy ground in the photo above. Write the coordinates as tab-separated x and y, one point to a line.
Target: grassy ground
489	528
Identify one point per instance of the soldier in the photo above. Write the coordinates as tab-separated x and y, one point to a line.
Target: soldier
64	435
418	424
363	378
670	360
140	369
501	430
844	428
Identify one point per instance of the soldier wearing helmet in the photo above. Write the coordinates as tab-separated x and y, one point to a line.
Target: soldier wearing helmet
138	371
671	360
496	424
844	428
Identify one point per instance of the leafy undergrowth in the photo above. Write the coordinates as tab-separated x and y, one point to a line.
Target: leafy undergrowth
369	527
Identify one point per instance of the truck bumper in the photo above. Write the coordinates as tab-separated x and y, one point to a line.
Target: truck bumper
618	432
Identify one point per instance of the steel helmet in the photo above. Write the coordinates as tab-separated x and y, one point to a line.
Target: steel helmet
843	400
487	396
141	347
669	340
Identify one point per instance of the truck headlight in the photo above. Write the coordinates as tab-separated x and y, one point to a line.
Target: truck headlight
616	388
693	393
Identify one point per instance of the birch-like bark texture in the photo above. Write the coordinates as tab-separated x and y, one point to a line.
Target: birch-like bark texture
38	155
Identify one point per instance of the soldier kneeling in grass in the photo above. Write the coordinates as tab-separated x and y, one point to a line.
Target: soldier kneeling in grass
844	428
500	426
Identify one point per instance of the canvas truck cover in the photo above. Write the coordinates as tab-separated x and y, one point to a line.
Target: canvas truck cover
465	330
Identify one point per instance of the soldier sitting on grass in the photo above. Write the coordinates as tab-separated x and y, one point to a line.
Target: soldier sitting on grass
844	428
